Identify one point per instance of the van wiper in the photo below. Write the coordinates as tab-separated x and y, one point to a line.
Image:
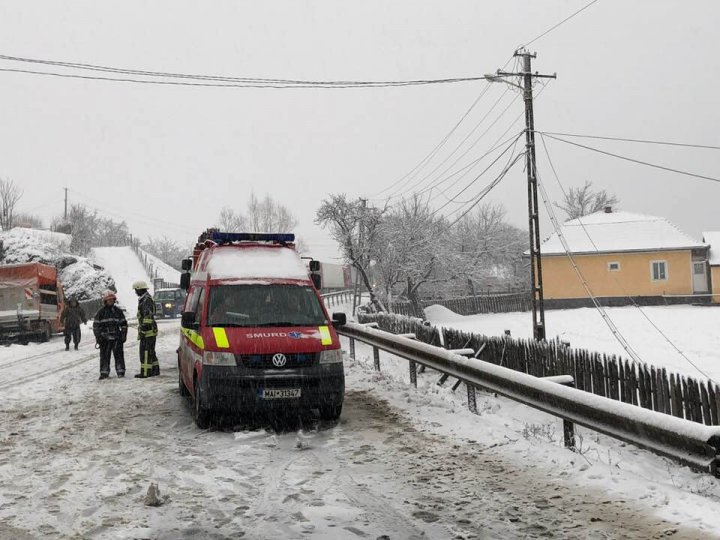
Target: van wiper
278	323
229	325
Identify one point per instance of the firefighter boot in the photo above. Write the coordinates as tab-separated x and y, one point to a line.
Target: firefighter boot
104	376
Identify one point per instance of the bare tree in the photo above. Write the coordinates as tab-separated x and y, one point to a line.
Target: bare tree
267	215
166	250
346	219
231	221
584	200
10	194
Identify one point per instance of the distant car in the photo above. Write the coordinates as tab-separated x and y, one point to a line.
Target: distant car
169	302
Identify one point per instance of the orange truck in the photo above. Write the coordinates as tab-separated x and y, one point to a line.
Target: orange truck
31	300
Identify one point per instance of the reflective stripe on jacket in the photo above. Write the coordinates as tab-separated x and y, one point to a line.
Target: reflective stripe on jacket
110	323
147	327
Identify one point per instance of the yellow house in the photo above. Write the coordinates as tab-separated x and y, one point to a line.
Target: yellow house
713	239
621	255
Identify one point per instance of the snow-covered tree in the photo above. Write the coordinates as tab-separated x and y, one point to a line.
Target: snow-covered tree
167	250
356	227
584	200
231	221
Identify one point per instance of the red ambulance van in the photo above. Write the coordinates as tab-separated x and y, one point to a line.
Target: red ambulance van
255	333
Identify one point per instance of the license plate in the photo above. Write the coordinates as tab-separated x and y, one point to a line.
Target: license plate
280	393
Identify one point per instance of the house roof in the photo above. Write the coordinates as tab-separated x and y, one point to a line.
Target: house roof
713	238
612	232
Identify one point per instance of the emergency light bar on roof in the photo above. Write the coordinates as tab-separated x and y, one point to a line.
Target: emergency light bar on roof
227	237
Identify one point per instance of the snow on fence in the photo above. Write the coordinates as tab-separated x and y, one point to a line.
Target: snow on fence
147	262
601	374
472	305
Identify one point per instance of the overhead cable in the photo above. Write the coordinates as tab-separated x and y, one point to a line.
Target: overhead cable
644	141
566	19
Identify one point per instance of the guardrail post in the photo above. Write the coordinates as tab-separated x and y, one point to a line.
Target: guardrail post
352	348
413	373
472	402
569	434
376	358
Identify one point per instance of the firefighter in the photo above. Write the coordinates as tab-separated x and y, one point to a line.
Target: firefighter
110	329
71	318
147	332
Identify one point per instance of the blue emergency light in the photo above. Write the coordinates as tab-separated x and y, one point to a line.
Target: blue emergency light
226	237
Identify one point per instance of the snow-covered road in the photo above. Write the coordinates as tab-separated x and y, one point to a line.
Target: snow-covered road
77	456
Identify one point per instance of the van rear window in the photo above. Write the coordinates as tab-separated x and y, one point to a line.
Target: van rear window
264	305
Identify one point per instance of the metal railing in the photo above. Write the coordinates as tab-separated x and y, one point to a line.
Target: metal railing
338	297
688	442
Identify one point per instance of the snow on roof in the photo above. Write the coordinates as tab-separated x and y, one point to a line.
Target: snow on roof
613	232
255	262
713	239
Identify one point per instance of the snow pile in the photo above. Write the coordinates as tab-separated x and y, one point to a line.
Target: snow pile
80	278
441	313
84	281
20	245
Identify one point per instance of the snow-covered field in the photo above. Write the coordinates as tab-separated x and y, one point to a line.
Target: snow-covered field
692	329
126	268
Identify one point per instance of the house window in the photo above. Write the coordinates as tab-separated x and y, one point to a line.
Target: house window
613	267
659	270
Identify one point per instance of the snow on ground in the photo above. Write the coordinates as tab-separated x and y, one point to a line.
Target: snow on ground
125	268
77	456
692	329
162	269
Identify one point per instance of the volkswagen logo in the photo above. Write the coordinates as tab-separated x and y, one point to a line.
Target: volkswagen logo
279	360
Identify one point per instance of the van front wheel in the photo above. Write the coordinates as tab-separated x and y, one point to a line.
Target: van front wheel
330	412
202	415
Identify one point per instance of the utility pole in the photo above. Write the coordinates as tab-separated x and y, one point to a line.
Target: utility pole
538	307
66	190
357	293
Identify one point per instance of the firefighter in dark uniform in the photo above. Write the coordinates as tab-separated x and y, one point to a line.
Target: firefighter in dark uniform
110	329
71	317
147	332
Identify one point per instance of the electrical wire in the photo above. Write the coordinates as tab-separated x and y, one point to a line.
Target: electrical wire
633	160
624	291
566	19
645	141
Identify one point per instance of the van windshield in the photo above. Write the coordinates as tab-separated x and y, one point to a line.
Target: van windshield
264	305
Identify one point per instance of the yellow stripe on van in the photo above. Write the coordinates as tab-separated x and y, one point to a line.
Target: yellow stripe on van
221	338
325	337
195	338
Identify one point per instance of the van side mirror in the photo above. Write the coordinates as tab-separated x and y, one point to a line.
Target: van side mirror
185	281
186	265
339	319
187	320
317	280
314	266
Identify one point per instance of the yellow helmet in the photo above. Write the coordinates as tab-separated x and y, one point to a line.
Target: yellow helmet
140	285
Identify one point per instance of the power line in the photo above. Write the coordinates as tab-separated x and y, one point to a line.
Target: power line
635	304
633	160
566	19
645	141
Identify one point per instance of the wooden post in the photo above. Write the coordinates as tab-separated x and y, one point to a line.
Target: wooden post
413	373
376	358
352	348
472	402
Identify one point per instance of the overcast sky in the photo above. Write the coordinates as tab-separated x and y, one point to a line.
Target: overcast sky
167	159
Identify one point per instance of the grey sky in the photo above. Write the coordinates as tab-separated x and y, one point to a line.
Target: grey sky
166	159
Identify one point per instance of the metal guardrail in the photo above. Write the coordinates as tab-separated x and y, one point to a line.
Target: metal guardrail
337	297
688	442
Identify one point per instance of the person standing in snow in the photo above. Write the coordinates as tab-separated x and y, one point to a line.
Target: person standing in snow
110	329
147	332
71	318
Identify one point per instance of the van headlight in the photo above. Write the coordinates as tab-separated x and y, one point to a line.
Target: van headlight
214	358
333	356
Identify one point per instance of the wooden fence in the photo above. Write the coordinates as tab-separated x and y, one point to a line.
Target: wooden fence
472	305
605	375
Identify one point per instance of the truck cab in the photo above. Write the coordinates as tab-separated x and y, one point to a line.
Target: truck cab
169	302
255	333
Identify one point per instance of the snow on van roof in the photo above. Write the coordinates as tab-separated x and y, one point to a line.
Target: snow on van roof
255	262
